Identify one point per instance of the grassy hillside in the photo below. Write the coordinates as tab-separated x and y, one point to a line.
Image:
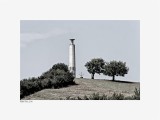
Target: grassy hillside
86	87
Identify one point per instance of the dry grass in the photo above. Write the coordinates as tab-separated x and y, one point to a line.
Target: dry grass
85	87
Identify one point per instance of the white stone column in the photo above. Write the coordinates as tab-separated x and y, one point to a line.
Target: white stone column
72	58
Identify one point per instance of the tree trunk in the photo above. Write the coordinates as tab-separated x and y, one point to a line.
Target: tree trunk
92	76
113	77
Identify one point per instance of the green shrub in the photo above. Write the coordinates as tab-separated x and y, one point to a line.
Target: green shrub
116	96
58	76
104	97
60	66
85	98
68	98
46	83
78	98
94	96
136	95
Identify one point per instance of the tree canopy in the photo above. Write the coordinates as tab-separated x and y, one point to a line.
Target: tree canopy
114	68
96	65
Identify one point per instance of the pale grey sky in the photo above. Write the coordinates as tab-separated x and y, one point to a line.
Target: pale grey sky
46	42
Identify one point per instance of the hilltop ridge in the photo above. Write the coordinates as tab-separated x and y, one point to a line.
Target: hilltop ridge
86	87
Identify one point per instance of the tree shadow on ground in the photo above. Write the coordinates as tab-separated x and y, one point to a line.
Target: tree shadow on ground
119	81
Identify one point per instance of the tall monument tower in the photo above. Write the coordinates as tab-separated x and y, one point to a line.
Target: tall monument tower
72	58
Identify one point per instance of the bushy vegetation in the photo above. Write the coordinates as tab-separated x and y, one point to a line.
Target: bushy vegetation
136	94
58	76
114	96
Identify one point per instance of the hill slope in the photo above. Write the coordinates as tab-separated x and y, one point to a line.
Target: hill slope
85	87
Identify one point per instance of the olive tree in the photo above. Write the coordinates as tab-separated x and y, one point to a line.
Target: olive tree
96	65
114	68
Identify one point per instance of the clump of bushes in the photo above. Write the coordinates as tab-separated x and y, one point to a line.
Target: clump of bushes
136	95
56	77
115	96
